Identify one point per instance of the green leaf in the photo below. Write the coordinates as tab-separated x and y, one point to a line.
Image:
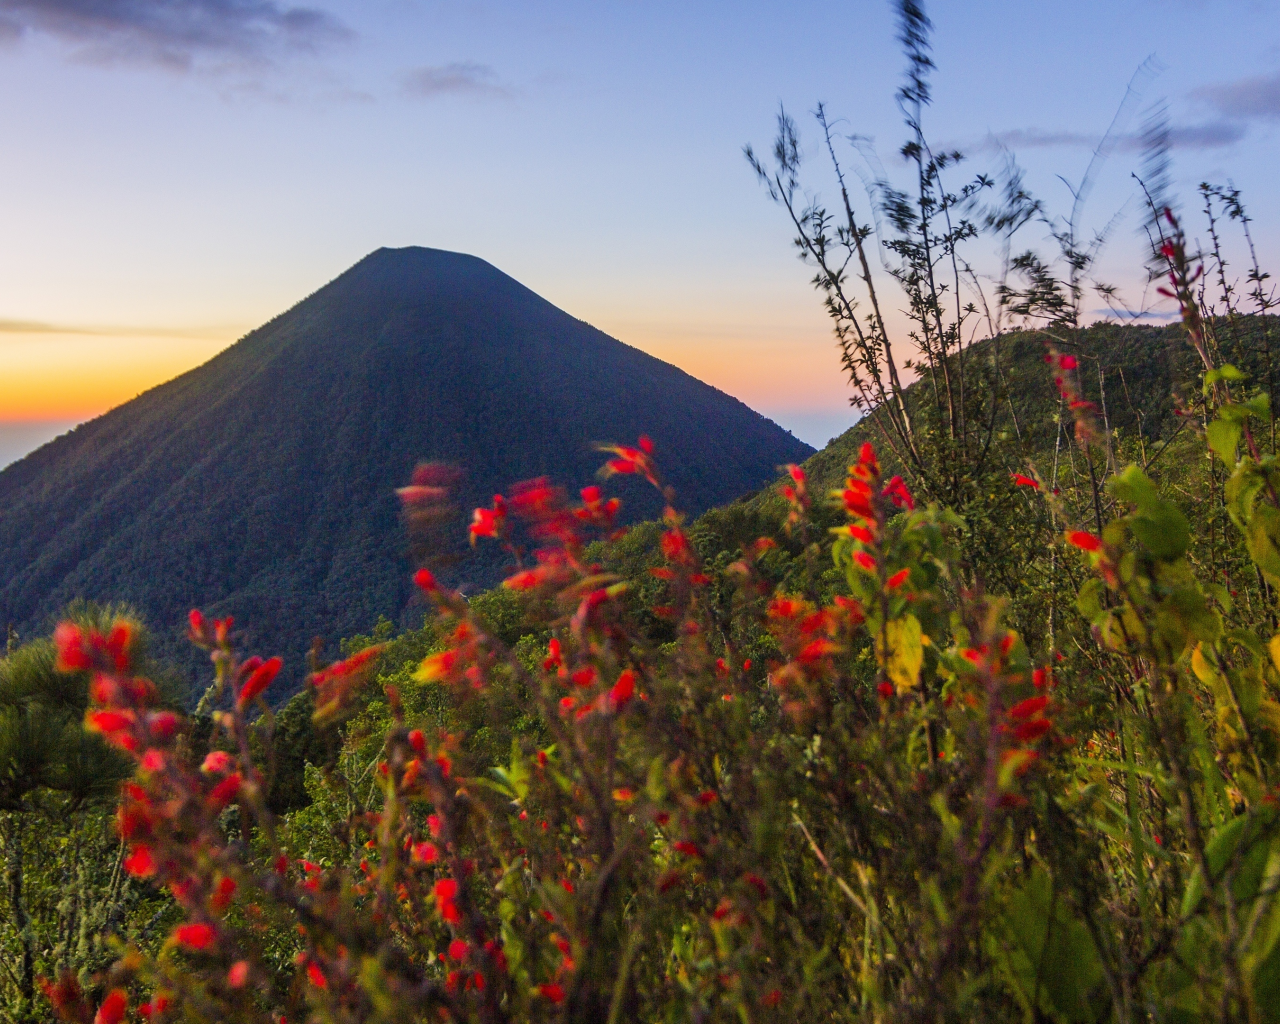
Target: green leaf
1224	439
905	655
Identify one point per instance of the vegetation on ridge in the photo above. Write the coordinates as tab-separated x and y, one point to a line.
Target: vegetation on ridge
994	736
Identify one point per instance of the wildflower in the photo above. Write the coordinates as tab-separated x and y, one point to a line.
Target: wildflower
896	491
898	578
315	975
757	883
621	692
108	721
1025	481
238	974
69	641
458	950
216	762
225	791
425	581
1084	541
141	863
113	1008
1032	730
259	680
196	937
688	849
487	522
1028	708
552	991
162	724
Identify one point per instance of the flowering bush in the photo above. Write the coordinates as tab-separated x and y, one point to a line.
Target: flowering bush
873	800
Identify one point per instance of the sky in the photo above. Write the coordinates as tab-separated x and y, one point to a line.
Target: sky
176	172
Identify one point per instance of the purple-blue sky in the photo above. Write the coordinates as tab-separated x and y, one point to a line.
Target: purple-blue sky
177	171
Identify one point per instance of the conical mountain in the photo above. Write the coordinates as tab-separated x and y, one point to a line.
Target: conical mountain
261	484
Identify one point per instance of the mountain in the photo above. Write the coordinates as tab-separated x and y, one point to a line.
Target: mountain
261	484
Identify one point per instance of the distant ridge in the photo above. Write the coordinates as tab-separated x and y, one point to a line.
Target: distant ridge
261	484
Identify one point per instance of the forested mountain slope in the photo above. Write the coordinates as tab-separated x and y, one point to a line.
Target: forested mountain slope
262	484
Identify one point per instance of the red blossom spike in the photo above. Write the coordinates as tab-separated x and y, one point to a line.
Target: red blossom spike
113	1008
259	680
195	937
1083	540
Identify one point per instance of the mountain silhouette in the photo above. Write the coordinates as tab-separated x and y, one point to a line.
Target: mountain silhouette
262	483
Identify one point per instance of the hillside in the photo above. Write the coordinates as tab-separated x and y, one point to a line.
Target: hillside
261	484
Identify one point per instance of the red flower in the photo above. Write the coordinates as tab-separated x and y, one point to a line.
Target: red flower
425	581
113	1008
863	534
238	974
258	681
197	937
225	791
552	991
817	649
675	546
458	950
487	522
771	998
108	721
217	761
1032	730
621	692
71	653
315	975
445	892
163	724
1025	481
757	883
865	560
417	741
141	863
1067	362
688	849
1084	541
885	689
898	578
896	491
1028	708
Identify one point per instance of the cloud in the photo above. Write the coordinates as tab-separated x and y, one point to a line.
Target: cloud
174	33
117	331
1254	98
465	77
1207	135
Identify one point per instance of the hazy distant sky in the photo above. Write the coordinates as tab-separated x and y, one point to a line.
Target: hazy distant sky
175	172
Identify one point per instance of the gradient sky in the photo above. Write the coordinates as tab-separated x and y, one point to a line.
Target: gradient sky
176	172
